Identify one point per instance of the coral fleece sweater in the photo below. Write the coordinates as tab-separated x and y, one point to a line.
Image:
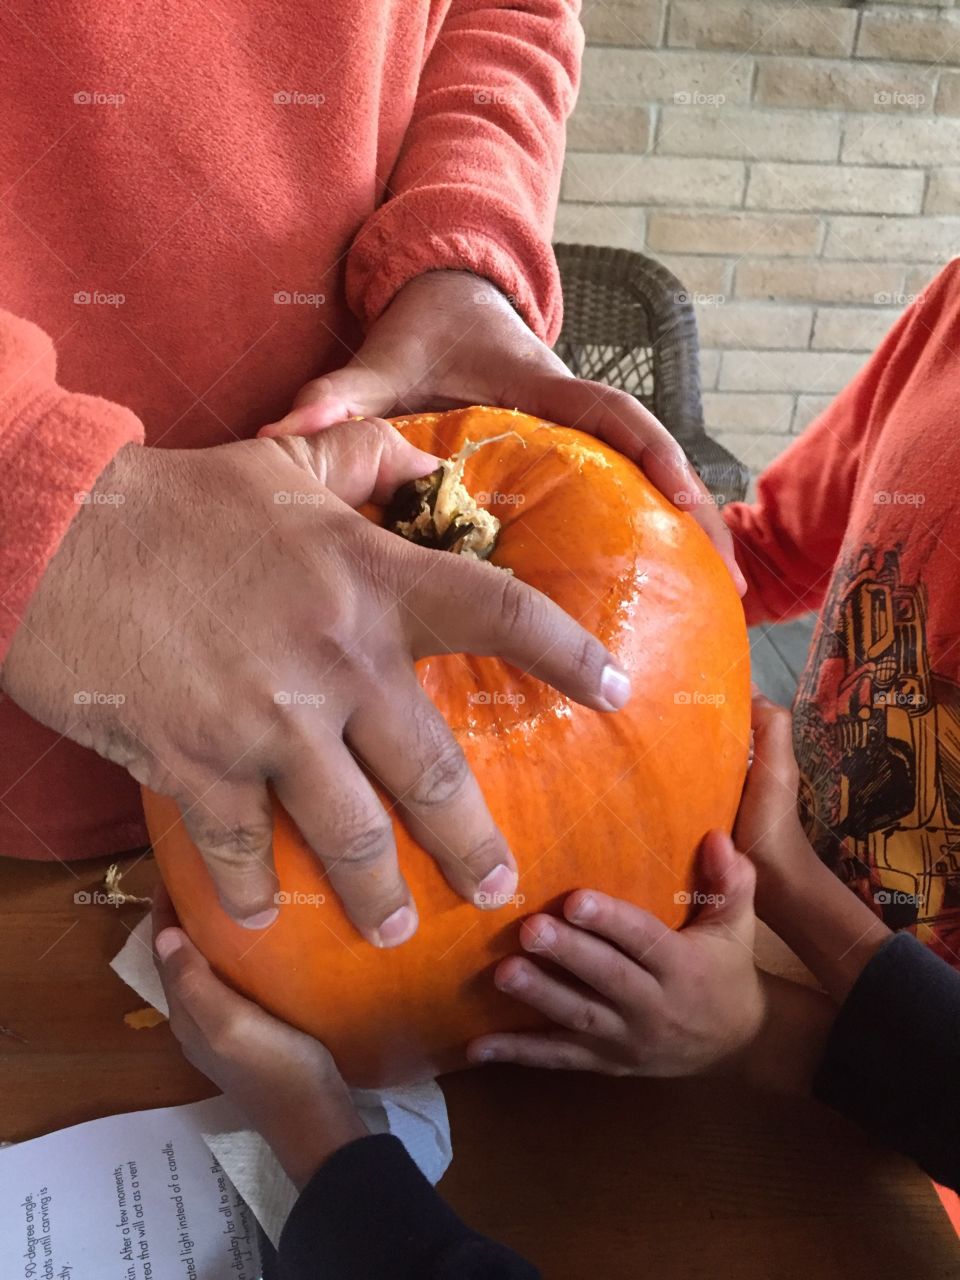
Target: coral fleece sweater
202	208
858	520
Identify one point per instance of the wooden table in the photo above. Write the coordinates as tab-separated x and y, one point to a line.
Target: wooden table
589	1177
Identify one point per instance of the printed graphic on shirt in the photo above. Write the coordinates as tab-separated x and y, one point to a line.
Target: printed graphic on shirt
877	737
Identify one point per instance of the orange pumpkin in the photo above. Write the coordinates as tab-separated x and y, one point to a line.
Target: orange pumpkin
614	801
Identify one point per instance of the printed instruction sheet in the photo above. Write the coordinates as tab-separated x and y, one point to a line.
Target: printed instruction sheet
130	1197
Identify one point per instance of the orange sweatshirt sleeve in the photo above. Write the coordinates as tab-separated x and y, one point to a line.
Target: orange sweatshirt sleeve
53	446
788	541
478	176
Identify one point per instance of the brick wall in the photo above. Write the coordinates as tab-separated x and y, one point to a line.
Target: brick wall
797	165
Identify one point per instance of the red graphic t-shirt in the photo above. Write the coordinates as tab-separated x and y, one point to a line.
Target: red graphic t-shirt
858	521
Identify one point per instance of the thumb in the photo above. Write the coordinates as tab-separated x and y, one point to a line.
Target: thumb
773	743
356	390
365	461
770	791
724	883
199	1003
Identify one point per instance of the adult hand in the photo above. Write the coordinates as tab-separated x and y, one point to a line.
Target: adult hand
285	1082
217	619
627	995
449	339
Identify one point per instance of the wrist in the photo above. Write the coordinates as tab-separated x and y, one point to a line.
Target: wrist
822	921
307	1137
787	1050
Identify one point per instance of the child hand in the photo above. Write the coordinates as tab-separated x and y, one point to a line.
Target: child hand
768	827
635	997
829	928
285	1082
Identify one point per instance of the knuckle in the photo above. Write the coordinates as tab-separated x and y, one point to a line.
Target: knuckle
243	846
441	779
486	853
368	839
585	1019
589	657
518	608
230	1036
619	973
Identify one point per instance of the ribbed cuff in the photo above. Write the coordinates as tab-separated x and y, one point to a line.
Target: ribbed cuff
403	240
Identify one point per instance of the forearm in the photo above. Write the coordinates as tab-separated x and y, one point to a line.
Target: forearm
829	928
787	1051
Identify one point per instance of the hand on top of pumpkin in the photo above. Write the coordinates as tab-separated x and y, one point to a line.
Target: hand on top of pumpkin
252	627
437	347
629	996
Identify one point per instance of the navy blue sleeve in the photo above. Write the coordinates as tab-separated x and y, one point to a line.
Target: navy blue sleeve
892	1061
369	1211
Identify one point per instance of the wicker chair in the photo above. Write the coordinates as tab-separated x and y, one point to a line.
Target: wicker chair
629	322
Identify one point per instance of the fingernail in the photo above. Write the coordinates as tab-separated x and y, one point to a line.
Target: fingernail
484	1055
586	908
614	687
167	942
512	981
739	580
397	928
544	938
496	888
261	919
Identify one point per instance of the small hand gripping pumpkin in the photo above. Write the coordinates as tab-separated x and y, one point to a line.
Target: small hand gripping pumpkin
617	802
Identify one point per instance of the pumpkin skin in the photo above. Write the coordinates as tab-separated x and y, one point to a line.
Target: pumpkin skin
617	802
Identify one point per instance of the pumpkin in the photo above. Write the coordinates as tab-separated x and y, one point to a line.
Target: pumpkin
617	801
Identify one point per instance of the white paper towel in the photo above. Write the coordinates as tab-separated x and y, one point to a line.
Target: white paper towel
416	1114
